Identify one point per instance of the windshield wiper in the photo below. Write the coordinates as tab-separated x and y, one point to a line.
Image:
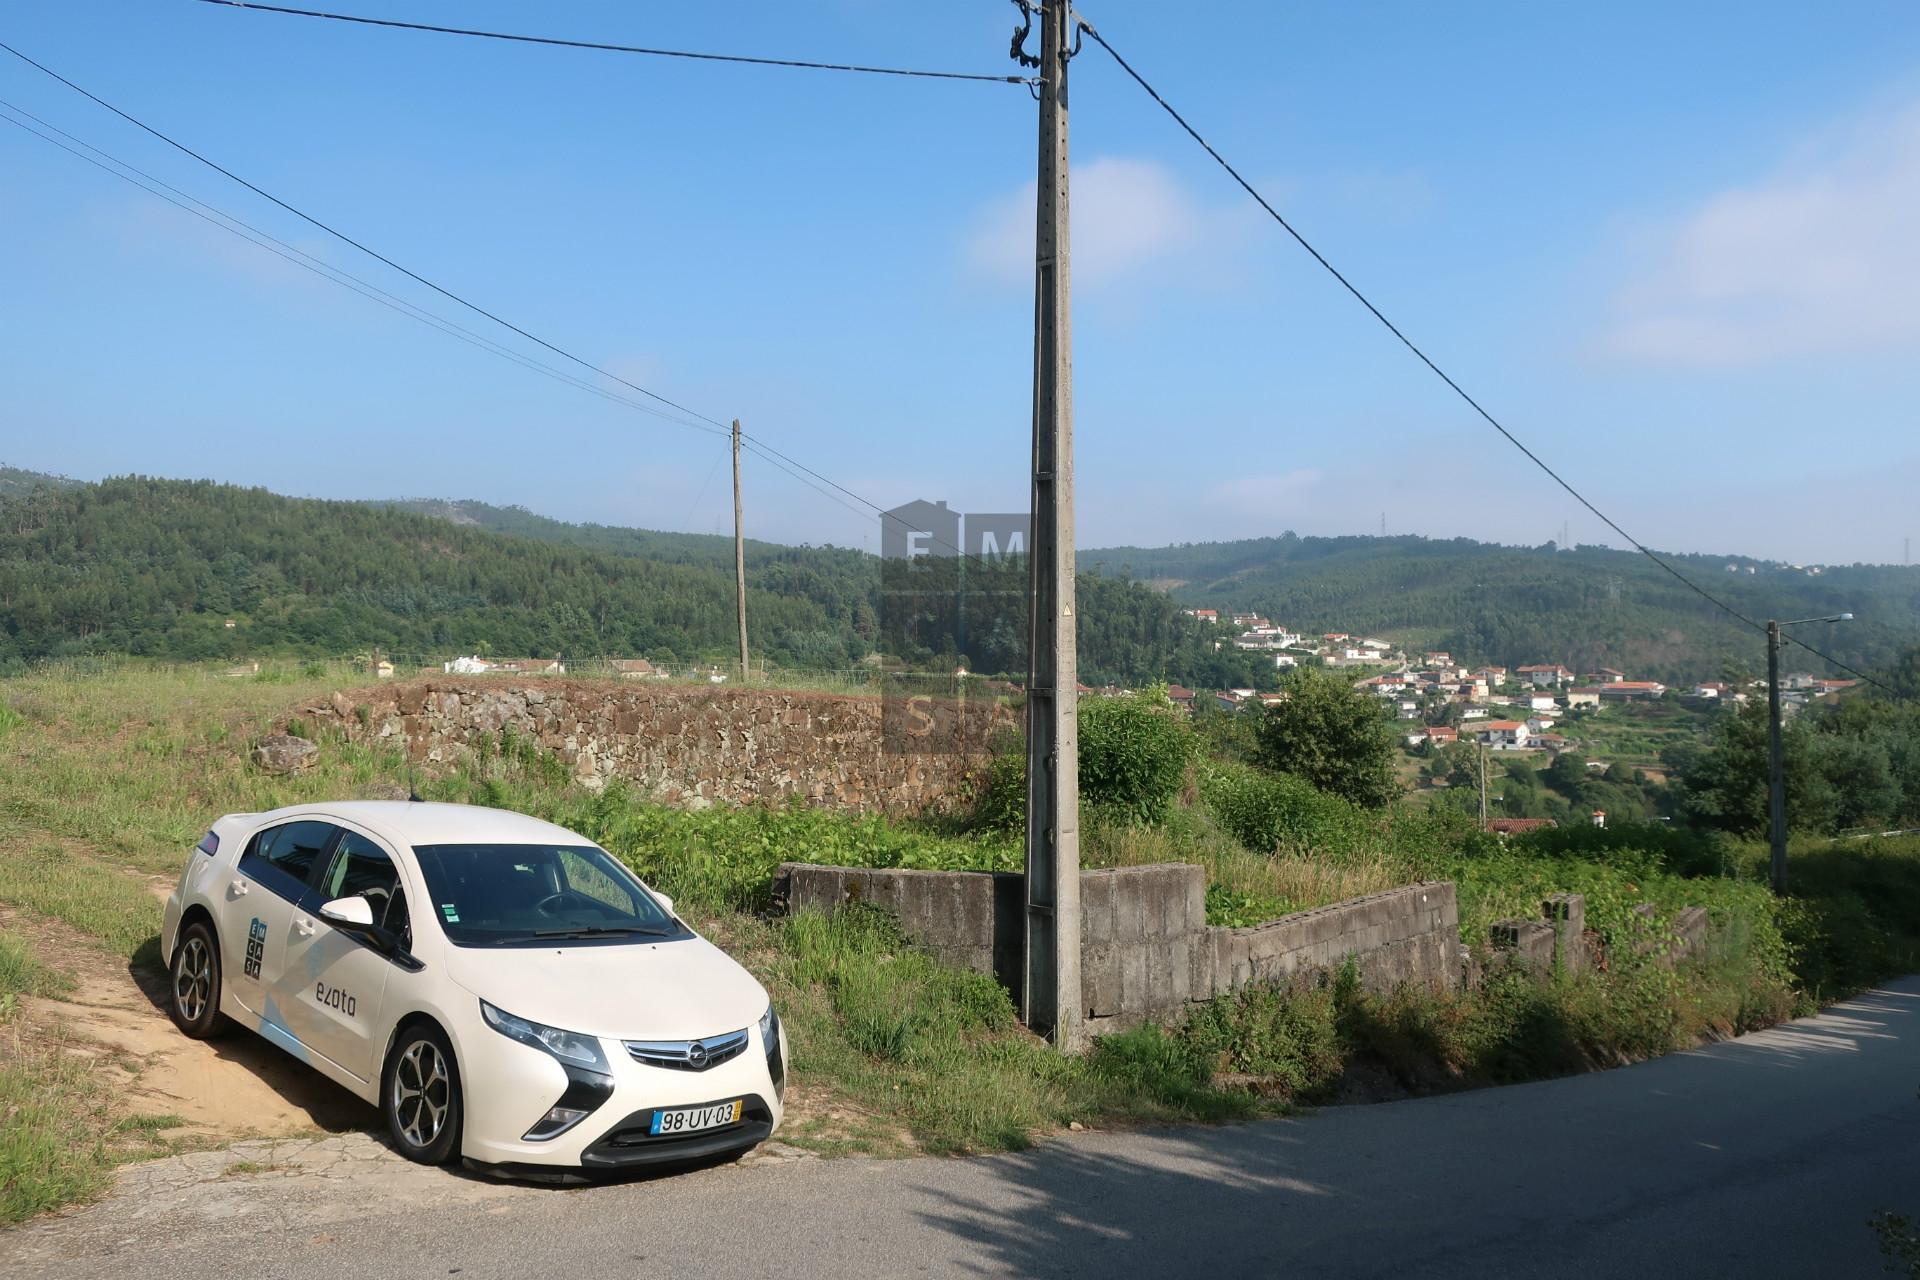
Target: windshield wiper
600	931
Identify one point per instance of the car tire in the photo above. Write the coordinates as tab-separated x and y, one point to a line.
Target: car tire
420	1096
193	983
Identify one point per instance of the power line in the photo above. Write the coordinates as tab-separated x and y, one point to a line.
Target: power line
1428	361
299	257
342	236
714	426
620	48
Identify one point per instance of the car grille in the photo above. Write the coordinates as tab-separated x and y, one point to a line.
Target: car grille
688	1055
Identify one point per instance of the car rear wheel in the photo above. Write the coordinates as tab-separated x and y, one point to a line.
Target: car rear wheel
421	1096
194	983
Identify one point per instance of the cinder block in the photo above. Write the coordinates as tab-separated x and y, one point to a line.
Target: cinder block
1100	979
1096	906
1196	907
1159	961
1133	978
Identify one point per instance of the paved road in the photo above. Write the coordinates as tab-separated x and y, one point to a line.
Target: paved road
1762	1156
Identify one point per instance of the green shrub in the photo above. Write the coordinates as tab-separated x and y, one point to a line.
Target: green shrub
1267	812
1134	752
1288	1038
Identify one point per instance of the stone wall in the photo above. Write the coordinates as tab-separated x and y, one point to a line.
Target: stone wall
683	745
1146	948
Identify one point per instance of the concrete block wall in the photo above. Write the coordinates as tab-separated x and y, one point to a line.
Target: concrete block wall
1406	935
970	920
1146	948
1558	941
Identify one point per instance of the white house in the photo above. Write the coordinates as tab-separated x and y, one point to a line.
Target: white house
1503	733
1285	660
473	666
1577	698
1545	676
1542	702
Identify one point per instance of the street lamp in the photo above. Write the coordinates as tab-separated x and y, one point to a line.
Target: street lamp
1776	767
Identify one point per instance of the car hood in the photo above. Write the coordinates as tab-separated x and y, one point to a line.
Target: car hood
680	990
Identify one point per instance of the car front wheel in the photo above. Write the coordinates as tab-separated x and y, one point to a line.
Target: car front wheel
421	1096
194	983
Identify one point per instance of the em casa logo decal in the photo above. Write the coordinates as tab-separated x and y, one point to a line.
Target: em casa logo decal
256	946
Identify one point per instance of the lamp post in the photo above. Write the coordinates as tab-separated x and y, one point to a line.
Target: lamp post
1776	764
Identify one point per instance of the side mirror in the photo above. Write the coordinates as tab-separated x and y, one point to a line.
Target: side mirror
352	914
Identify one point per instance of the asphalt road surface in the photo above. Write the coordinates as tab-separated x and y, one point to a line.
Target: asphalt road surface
1762	1156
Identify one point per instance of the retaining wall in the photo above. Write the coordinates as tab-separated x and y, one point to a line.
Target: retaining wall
1146	948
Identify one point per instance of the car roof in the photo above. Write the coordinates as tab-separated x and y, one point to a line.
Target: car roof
418	822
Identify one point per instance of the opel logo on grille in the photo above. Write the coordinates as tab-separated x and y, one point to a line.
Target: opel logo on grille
696	1055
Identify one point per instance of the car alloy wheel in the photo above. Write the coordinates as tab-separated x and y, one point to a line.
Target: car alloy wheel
422	1093
193	979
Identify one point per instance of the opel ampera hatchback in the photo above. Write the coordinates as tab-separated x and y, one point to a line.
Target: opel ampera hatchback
501	988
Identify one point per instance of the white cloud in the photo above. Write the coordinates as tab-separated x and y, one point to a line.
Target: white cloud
1127	214
1821	257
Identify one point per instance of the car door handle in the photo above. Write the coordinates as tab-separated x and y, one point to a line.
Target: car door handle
238	888
303	926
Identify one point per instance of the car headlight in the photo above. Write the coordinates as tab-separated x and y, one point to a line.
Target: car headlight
770	1030
567	1046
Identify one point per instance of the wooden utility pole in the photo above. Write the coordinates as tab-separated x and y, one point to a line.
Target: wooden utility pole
739	556
1051	998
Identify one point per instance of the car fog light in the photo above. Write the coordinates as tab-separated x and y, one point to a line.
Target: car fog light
554	1123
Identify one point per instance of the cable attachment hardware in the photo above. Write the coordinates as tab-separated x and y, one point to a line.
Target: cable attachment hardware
1018	50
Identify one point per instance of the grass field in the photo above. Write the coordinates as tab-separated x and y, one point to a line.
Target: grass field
112	772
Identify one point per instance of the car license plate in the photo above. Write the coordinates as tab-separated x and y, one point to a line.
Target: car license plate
693	1119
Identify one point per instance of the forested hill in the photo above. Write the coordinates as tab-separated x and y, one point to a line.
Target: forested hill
158	567
675	548
16	483
1586	607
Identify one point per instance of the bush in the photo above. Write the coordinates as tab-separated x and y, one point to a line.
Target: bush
1332	735
1269	812
1134	753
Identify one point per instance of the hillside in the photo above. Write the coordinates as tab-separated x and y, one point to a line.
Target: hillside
1587	607
17	483
160	567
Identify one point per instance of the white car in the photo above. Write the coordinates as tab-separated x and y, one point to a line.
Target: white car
501	988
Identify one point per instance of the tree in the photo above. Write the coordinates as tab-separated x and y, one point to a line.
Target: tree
1331	734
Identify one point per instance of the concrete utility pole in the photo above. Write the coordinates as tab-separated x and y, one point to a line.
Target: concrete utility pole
739	556
1776	766
1051	998
1776	761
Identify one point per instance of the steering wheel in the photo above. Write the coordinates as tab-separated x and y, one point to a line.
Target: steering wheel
547	905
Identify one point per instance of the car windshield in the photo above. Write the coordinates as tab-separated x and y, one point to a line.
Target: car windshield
535	894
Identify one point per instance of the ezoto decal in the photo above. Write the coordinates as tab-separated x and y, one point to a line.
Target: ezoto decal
334	998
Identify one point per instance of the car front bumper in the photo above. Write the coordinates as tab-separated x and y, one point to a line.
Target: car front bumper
508	1087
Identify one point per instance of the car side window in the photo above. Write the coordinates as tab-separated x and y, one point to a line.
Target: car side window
283	857
362	869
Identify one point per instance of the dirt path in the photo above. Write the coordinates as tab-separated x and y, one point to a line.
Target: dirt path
238	1086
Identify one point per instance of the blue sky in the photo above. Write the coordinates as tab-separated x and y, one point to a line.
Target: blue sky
1670	245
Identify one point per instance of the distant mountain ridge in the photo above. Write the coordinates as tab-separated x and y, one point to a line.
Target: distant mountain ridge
157	566
1586	606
